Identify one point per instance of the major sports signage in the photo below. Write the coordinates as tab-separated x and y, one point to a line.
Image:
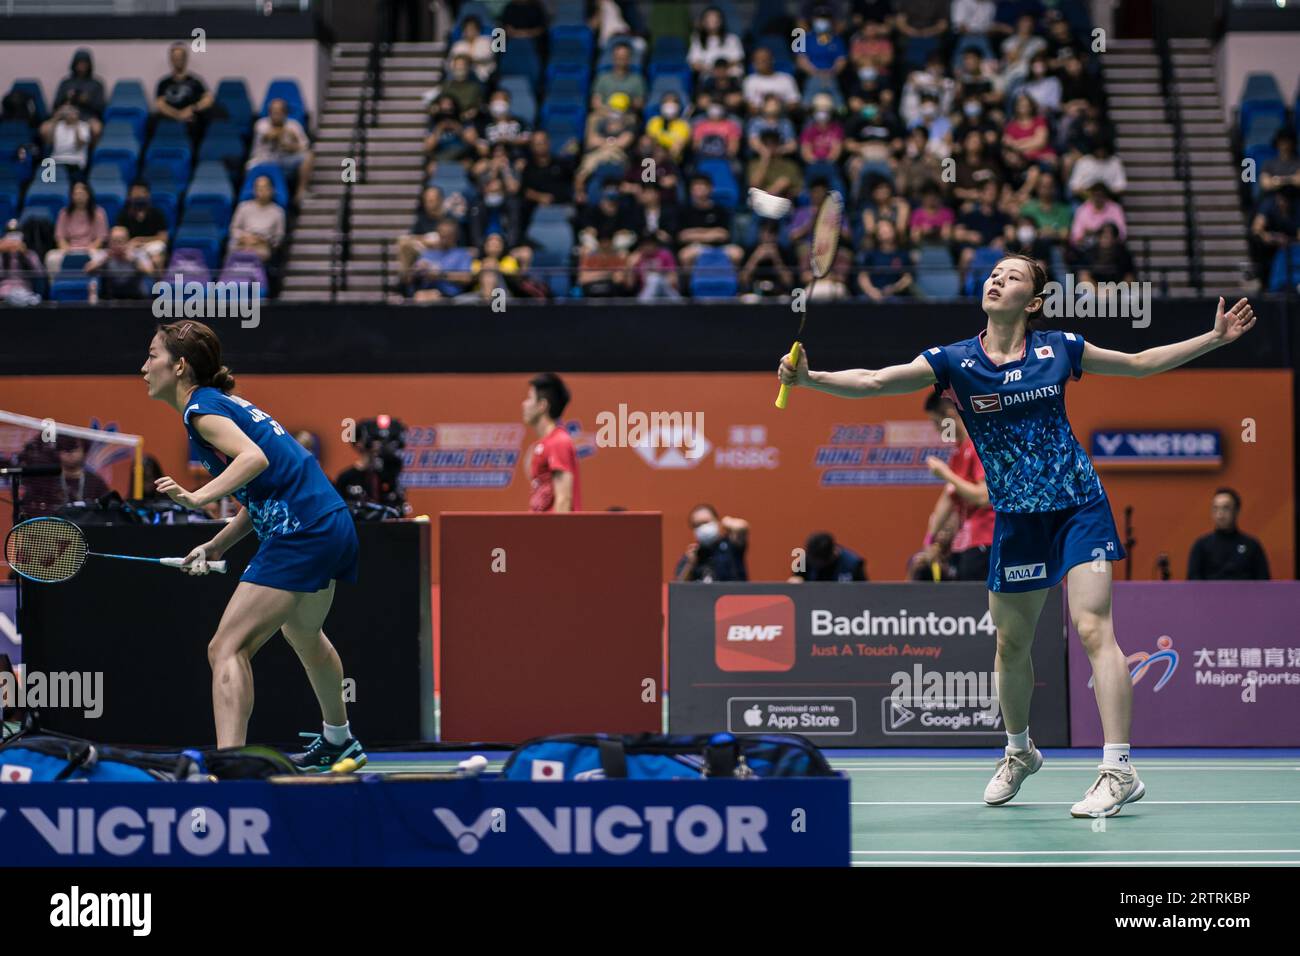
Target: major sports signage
784	822
852	664
1162	449
1213	664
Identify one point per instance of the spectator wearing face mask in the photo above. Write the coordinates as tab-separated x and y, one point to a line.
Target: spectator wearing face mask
772	118
500	125
718	551
668	129
1024	238
871	54
723	87
715	134
825	56
872	135
930	85
145	224
822	139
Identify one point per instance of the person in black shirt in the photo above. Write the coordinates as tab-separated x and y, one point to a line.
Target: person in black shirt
1225	554
145	224
827	561
705	223
718	551
546	181
181	95
524	18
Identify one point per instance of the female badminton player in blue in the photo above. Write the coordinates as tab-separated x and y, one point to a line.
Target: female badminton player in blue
307	539
1053	518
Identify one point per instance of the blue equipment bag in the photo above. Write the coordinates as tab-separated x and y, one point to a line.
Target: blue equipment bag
664	757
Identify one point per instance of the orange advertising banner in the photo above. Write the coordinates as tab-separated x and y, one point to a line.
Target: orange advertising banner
665	442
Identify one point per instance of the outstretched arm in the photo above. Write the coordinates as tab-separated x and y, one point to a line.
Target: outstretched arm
859	382
1228	327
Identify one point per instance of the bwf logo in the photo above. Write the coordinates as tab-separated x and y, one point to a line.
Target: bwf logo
754	632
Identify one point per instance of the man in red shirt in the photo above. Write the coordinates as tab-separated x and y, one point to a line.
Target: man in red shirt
966	495
552	461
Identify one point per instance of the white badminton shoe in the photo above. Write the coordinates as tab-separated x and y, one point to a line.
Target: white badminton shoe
1011	772
1109	792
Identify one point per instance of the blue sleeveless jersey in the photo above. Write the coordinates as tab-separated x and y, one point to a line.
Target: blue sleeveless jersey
292	492
1015	414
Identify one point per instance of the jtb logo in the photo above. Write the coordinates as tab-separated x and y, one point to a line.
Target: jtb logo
754	632
1012	376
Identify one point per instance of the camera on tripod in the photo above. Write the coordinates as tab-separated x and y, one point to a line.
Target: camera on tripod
376	476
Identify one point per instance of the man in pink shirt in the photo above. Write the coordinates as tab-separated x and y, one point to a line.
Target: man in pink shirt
1095	213
822	140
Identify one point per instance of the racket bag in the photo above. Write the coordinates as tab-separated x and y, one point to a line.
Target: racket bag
53	757
664	757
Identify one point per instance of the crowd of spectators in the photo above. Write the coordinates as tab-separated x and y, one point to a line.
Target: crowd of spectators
955	130
143	188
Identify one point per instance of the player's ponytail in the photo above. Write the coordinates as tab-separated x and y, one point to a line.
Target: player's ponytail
1034	318
201	349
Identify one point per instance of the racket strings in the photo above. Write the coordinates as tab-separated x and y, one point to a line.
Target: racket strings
49	551
826	235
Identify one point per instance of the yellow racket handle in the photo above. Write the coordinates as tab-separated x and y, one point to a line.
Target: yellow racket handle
783	396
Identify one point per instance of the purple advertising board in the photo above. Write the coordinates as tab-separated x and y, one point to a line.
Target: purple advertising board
1213	664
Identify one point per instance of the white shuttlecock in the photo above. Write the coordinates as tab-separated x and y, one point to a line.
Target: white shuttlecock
767	205
473	766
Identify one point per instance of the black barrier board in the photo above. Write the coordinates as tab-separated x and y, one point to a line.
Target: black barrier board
854	665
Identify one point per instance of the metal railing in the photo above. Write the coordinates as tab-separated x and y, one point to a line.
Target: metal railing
372	91
1182	163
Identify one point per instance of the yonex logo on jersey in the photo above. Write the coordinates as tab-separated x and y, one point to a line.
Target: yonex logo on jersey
986	403
1011	376
1044	352
967	363
1025	572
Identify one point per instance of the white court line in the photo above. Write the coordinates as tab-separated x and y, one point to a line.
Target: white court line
984	767
1049	803
1051	852
1167	863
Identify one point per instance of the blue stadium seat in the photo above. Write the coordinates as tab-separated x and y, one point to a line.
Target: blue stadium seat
669	82
276	175
520	58
205	237
1261	153
222	143
552	214
935	276
566	107
981	264
32	87
668	49
779	47
565	133
1261	96
474	8
286	88
726	191
579	72
125	158
566	34
10	193
1263	127
128	105
68	287
553	242
176	156
204	215
109	188
233	103
713	276
1285	259
603	174
50	197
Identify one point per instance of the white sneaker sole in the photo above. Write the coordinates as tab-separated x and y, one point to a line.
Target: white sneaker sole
1134	797
1012	795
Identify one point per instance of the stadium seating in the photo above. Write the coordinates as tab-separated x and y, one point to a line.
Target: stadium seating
285	88
1260	97
128	105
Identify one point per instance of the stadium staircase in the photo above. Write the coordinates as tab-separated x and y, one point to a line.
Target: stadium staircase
387	190
1184	217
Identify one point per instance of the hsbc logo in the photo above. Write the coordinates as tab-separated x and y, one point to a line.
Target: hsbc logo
754	632
986	403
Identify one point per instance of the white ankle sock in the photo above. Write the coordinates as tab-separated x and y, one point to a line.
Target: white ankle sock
1116	755
1018	741
337	735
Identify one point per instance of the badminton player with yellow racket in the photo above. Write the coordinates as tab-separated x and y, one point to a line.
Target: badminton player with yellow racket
825	244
